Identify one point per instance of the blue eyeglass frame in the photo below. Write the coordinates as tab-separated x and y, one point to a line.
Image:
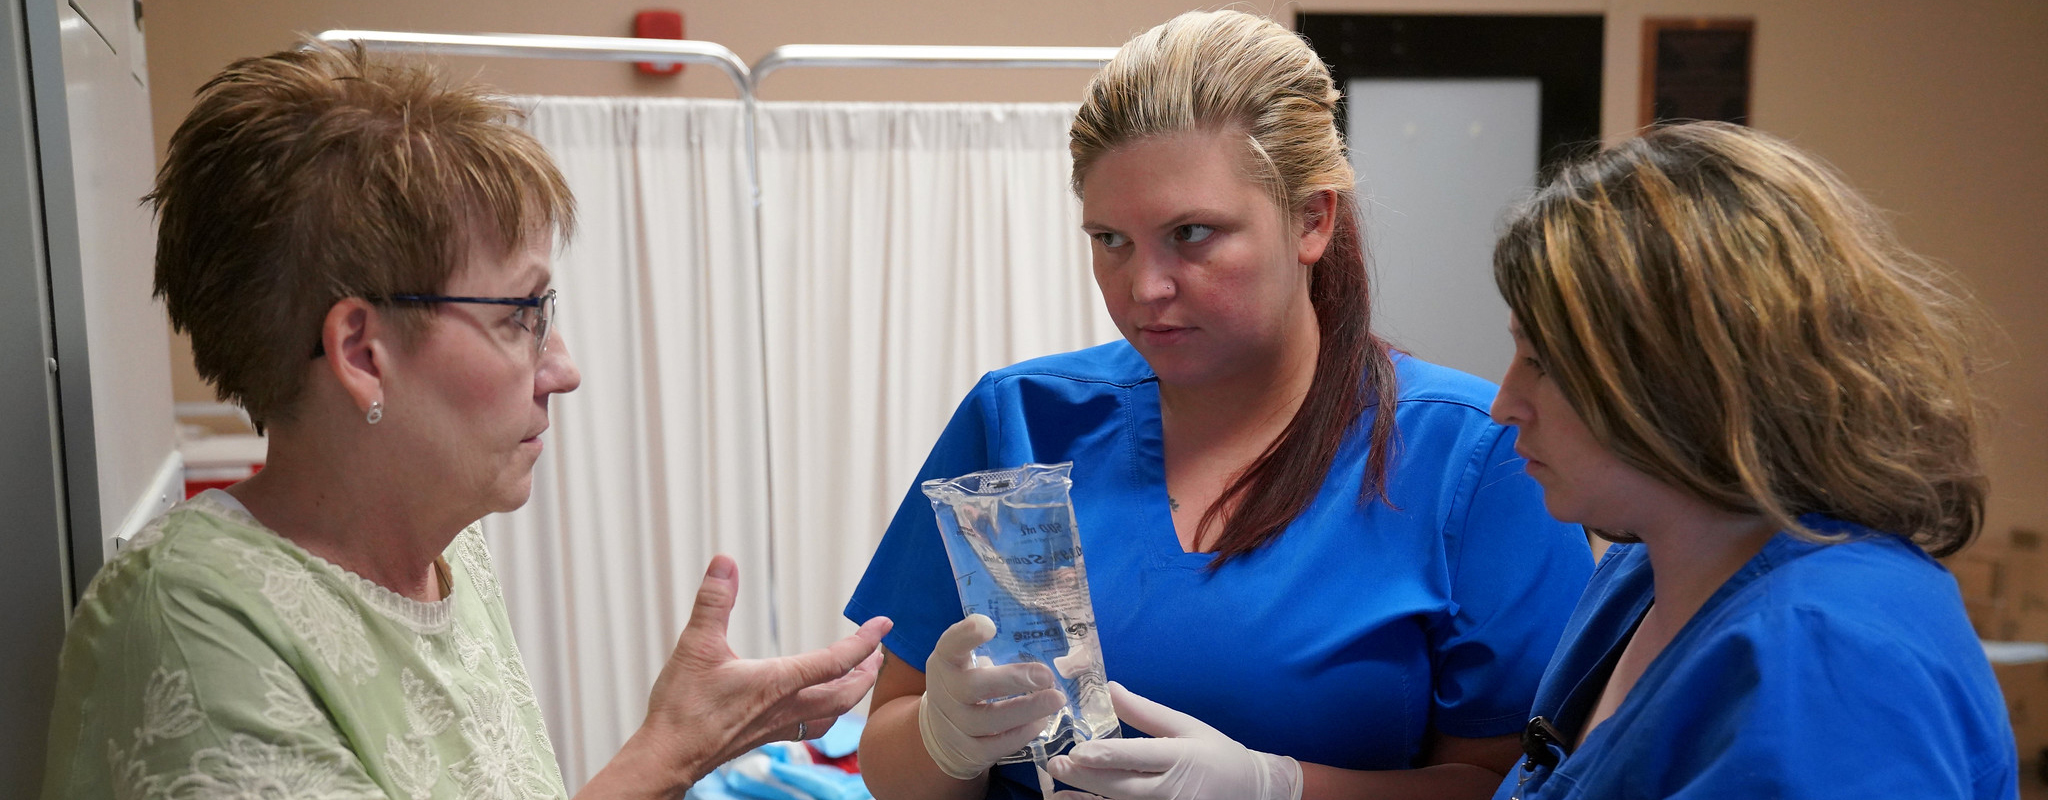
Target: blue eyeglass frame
541	328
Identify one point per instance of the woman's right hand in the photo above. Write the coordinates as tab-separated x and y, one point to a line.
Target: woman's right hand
709	706
966	729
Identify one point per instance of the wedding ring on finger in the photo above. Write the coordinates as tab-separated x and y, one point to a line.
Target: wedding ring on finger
802	729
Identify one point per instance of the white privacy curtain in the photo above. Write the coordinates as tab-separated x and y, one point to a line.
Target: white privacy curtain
906	249
659	461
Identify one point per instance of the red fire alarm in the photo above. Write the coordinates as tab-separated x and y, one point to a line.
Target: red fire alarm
659	23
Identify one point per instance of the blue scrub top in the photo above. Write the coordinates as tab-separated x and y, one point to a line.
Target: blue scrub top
1342	641
1818	670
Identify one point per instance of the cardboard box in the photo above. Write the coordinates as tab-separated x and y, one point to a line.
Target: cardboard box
1976	574
2026	703
2022	589
1980	576
2004	583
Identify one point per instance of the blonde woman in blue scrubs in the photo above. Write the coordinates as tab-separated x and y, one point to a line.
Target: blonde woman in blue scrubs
1318	546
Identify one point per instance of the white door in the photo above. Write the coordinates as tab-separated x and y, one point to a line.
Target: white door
1440	162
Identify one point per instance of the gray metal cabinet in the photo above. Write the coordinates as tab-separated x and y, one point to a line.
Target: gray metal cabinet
85	411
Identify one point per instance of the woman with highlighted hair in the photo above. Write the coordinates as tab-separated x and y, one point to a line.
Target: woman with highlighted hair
1725	361
1315	546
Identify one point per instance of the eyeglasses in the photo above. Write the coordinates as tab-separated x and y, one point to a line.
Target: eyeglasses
536	314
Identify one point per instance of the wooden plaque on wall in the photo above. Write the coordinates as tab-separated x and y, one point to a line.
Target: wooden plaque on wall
1696	69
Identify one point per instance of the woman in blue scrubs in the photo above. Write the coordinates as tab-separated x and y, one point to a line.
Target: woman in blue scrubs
1320	547
1724	360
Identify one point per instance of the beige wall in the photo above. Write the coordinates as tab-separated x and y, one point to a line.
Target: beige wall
1937	110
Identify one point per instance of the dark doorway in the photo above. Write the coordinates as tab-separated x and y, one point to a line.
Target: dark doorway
1451	120
1564	54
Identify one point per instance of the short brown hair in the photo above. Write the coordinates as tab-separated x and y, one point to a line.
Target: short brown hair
319	173
1732	319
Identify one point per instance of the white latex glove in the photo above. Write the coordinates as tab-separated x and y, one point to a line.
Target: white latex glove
1191	761
965	728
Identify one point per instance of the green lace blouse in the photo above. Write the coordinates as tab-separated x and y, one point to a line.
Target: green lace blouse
213	658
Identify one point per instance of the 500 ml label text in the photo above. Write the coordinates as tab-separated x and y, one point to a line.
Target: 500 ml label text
1041	559
1043	527
1054	632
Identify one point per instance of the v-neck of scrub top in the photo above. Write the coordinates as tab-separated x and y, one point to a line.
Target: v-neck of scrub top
1149	449
1578	703
1585	695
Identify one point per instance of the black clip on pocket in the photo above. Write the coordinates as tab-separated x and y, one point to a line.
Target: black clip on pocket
1536	741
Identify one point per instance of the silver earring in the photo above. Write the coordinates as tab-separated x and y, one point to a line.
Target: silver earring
376	413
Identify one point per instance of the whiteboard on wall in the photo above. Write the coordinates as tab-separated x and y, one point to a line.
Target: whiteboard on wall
1440	162
135	470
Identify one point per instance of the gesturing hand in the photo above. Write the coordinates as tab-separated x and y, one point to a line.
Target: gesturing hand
1191	761
709	705
965	728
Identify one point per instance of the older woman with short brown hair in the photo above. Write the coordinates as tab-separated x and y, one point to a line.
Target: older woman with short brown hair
361	255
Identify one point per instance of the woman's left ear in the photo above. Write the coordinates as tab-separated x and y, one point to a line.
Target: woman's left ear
1317	219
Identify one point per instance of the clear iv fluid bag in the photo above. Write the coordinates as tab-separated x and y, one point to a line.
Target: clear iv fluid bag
1016	553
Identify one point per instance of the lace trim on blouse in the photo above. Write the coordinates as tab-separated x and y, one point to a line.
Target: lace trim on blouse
429	618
